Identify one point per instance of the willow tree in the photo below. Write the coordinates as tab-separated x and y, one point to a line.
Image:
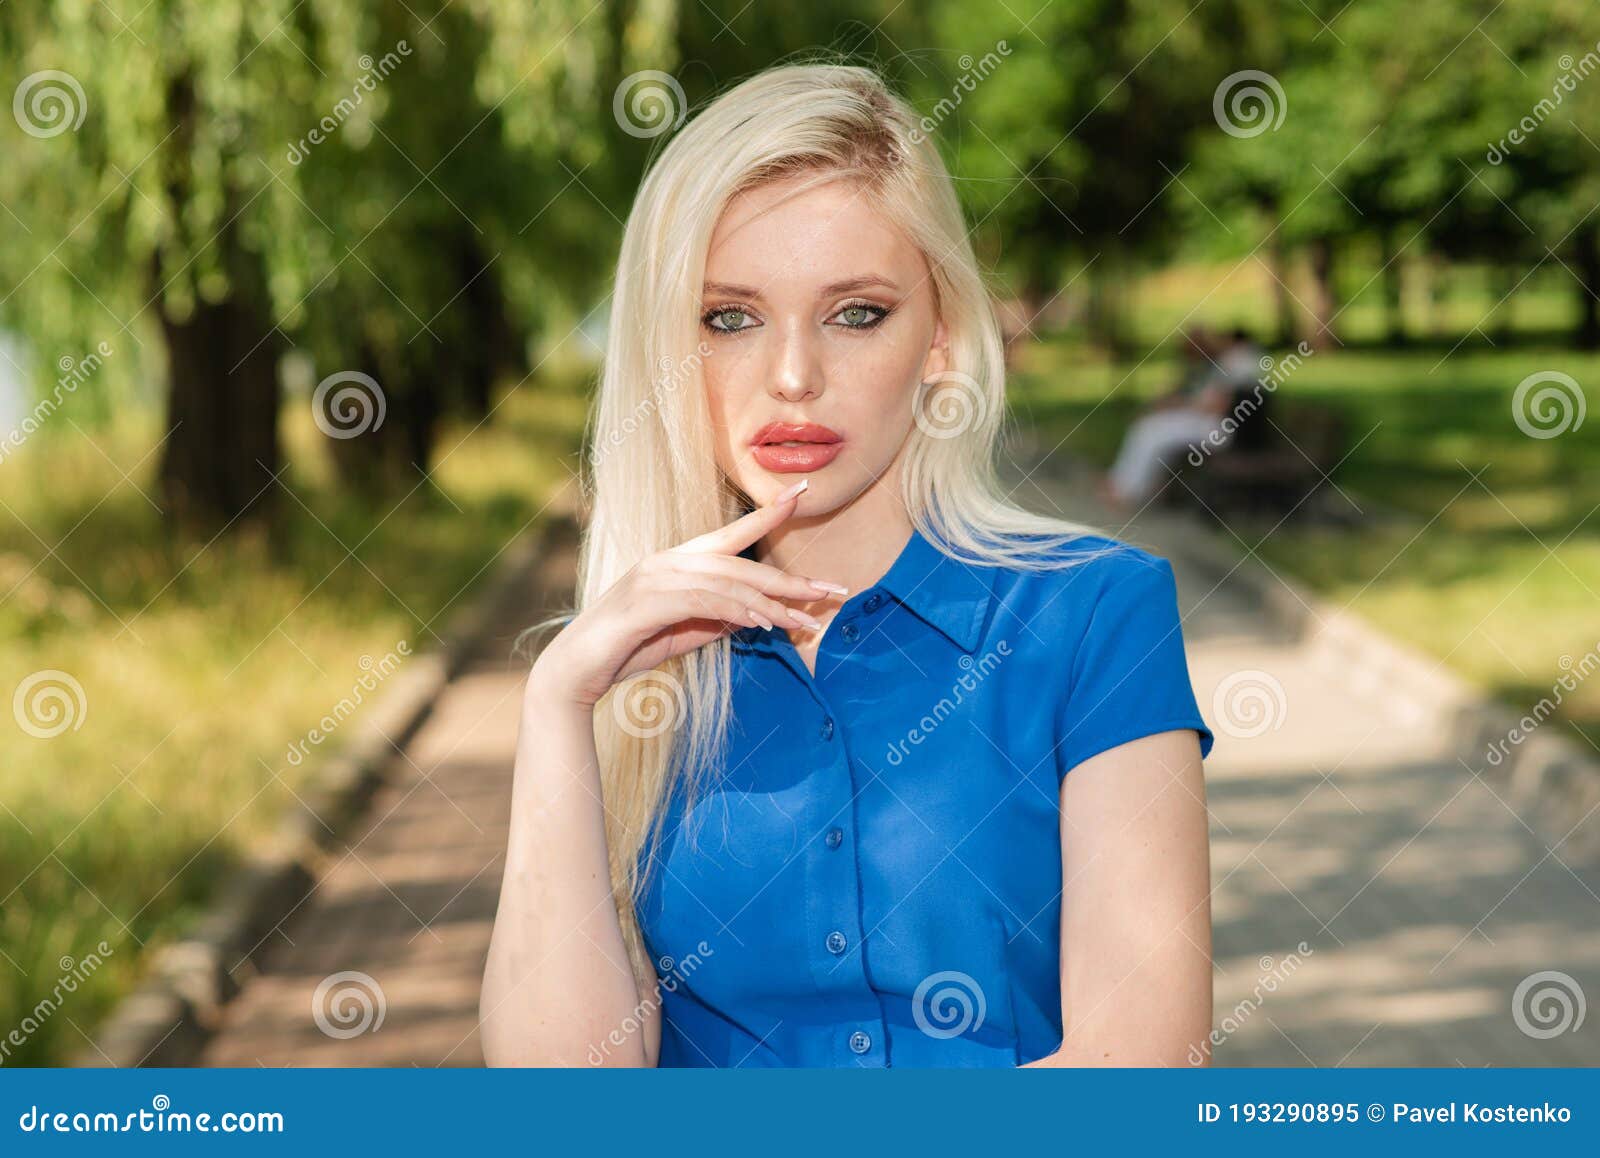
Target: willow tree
206	183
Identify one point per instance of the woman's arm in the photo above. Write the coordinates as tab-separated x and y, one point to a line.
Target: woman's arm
558	988
1135	907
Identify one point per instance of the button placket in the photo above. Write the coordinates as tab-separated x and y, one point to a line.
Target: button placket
833	885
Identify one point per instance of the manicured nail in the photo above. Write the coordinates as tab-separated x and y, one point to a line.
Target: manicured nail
802	618
761	619
824	585
789	492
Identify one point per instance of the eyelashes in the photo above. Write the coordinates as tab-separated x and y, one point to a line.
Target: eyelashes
876	315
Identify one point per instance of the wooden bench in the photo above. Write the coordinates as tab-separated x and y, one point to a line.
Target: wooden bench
1277	459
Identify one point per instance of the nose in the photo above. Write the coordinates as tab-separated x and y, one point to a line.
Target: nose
797	375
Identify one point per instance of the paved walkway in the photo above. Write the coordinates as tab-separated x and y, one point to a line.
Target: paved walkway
1346	823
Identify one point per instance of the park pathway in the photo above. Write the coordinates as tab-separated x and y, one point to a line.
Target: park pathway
1376	902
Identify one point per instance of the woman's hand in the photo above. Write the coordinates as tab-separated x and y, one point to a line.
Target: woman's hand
675	601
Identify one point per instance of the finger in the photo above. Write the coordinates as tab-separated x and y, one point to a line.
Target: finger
694	586
675	606
773	580
740	533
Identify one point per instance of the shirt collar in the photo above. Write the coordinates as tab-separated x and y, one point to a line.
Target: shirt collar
948	595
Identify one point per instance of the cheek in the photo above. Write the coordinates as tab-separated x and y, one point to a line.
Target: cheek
877	387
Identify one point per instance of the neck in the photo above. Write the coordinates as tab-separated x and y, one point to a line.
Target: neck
854	545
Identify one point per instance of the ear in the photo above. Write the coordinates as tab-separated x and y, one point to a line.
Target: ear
938	359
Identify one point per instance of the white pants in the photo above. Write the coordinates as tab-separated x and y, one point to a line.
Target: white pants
1153	440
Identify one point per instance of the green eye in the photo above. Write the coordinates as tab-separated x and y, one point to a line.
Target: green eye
729	319
856	316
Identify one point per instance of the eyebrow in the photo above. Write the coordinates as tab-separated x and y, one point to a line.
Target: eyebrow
849	284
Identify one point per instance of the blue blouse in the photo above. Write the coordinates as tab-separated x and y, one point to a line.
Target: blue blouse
875	877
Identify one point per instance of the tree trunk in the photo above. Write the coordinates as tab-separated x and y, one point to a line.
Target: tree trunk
1278	265
1393	290
221	451
1586	261
1324	301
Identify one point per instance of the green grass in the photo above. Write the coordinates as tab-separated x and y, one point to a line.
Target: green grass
199	666
1493	565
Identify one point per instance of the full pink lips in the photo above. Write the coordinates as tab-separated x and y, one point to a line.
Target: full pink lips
811	447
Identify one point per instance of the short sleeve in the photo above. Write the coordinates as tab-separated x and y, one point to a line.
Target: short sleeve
1130	677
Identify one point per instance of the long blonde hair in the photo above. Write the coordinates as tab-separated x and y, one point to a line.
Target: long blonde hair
653	481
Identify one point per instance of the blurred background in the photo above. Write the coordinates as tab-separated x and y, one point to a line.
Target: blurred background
300	305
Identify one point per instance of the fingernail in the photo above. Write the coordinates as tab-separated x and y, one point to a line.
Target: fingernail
761	619
802	618
824	585
789	492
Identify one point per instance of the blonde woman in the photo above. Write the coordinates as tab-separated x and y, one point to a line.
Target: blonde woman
844	759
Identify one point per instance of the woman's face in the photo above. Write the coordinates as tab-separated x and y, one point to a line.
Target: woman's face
821	324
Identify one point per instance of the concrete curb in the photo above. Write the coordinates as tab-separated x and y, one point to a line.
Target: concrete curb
167	1020
1549	777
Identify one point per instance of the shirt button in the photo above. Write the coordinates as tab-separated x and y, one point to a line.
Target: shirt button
826	731
836	942
835	837
873	603
860	1042
850	632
